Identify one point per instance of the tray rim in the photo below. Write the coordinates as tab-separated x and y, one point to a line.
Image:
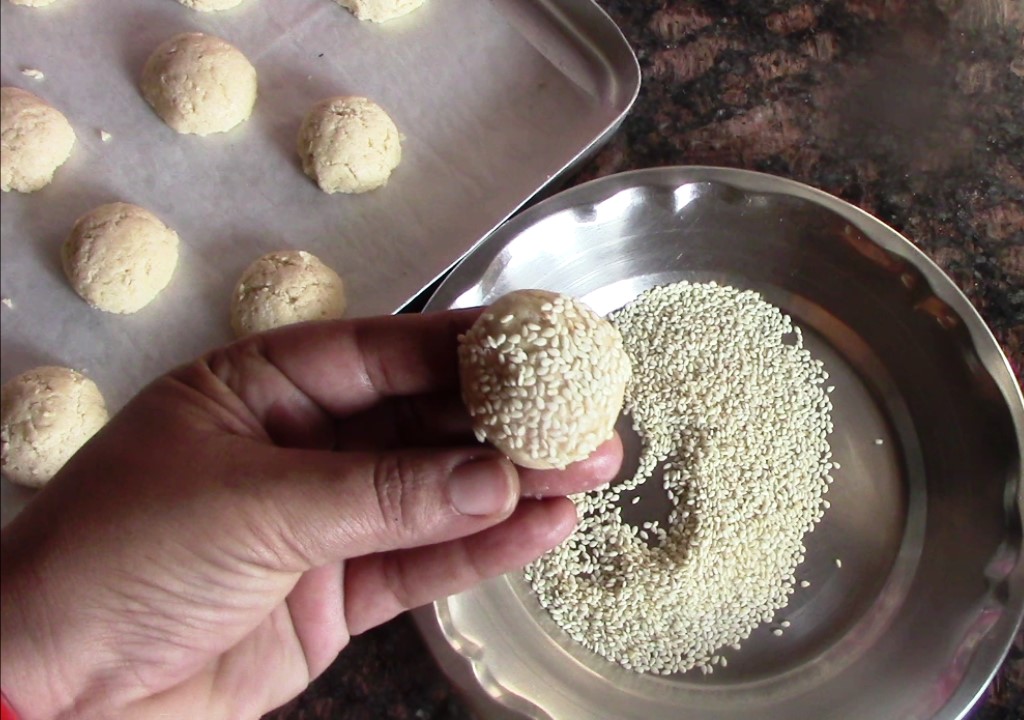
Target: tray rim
635	82
434	621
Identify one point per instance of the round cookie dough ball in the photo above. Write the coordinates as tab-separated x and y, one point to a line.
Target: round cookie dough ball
543	377
119	257
380	10
285	287
210	5
199	84
349	145
35	140
46	415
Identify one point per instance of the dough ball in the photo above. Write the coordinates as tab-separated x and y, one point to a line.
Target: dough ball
46	415
543	377
33	3
210	5
281	288
119	257
35	140
349	145
380	10
199	84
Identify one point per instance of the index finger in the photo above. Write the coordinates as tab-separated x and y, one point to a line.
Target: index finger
345	366
295	382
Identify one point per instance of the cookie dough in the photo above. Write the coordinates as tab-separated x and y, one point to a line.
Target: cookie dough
199	84
46	415
35	140
349	145
119	257
543	377
380	10
210	5
285	287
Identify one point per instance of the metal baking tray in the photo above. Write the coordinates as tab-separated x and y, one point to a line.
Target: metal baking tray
496	99
926	511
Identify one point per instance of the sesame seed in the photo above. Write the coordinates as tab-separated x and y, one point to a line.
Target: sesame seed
722	397
537	399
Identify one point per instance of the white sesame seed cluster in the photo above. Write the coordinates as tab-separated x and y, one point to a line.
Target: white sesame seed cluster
733	412
543	377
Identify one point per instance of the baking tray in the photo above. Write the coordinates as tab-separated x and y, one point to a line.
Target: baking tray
926	510
496	99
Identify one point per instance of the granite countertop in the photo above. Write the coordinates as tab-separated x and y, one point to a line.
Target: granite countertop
911	109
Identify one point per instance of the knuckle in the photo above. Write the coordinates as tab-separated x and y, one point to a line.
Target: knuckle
394	478
397	583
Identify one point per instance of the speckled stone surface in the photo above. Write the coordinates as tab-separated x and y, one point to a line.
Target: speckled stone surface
910	109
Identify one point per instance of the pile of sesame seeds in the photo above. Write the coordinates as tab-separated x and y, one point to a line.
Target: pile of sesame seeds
543	377
734	415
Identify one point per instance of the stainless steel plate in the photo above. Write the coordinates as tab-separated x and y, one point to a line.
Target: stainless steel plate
495	98
926	508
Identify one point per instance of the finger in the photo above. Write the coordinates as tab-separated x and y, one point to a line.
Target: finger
440	420
378	587
347	365
309	508
293	382
601	467
409	421
316	606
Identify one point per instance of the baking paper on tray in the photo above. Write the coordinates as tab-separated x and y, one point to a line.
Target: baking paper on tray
487	119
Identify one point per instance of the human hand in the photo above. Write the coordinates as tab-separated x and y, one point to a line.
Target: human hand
213	548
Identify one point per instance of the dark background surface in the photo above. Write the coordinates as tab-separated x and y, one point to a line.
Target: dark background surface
911	109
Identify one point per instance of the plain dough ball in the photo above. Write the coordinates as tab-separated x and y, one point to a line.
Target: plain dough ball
380	10
33	3
349	145
35	140
210	5
285	287
199	84
46	415
119	257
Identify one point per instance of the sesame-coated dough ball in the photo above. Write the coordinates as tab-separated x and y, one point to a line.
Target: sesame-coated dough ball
543	377
46	415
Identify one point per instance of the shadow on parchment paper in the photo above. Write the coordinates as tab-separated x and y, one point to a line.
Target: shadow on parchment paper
19	357
146	29
46	223
286	94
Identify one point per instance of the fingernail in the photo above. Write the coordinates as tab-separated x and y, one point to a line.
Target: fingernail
482	487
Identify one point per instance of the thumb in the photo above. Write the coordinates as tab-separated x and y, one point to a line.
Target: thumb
328	506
